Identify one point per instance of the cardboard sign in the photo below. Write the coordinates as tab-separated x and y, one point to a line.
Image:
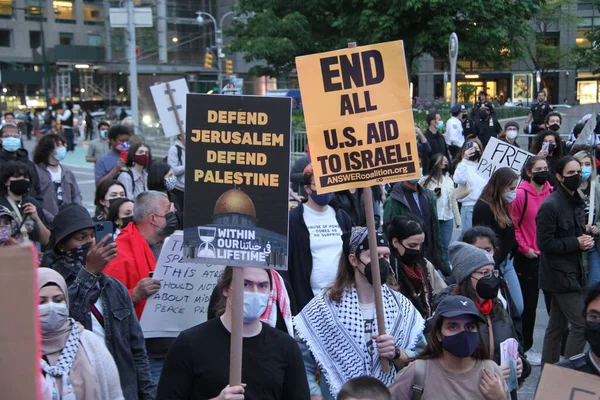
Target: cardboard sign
170	104
185	290
359	117
498	154
559	383
237	171
19	336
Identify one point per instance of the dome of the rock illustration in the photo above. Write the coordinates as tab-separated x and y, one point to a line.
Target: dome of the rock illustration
235	201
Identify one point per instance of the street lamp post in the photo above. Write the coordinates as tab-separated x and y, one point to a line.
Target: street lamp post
44	59
218	41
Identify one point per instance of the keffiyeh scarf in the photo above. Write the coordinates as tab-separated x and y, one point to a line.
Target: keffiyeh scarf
63	367
334	333
278	298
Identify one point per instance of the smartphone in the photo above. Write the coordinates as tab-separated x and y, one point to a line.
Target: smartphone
151	274
469	145
545	146
102	229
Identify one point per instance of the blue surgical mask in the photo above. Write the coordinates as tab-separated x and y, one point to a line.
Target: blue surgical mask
255	304
321	199
462	344
586	172
61	153
11	144
103	133
439	125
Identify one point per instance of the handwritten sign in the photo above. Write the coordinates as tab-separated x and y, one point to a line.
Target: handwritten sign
170	102
237	180
185	290
559	383
498	154
358	115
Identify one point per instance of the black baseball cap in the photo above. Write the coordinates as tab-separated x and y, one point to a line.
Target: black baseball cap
453	306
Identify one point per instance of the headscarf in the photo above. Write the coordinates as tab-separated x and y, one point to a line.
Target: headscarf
359	241
58	349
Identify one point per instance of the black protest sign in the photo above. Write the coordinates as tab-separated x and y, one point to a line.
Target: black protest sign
237	180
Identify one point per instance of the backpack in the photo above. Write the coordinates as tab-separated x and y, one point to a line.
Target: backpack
128	172
179	154
419	379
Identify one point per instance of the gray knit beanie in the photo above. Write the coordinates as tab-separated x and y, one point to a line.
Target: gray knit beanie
466	259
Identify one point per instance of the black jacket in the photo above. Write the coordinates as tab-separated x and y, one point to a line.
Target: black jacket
582	363
300	263
354	205
297	172
437	143
484	131
560	221
484	216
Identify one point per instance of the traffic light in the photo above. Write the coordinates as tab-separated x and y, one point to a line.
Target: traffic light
228	67
208	60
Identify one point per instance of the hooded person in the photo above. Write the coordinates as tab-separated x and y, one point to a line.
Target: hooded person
337	329
75	363
97	301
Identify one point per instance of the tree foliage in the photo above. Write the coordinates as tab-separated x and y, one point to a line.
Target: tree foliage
588	57
280	30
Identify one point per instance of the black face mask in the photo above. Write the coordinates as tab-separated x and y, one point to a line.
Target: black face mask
554	127
112	201
19	187
79	253
572	182
592	336
410	256
445	170
487	288
384	271
172	225
551	148
475	156
540	177
125	221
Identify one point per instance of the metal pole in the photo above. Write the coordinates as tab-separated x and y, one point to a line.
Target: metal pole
44	59
107	33
219	43
453	53
161	27
131	57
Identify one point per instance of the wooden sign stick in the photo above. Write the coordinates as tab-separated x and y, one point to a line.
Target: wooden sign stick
370	214
237	321
172	100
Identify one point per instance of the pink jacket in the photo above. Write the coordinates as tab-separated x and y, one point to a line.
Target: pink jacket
525	228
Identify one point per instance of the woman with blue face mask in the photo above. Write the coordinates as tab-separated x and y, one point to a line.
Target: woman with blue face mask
75	363
197	365
588	175
58	184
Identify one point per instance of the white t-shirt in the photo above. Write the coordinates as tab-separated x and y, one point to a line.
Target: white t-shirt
56	178
368	312
325	238
97	328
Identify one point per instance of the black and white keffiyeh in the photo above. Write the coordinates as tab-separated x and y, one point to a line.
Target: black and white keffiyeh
334	333
63	367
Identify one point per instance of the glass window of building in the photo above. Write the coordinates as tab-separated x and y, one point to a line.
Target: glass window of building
5	38
35	9
93	14
65	38
94	39
6	8
581	40
35	39
64	11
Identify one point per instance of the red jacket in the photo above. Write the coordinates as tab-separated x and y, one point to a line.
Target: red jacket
133	263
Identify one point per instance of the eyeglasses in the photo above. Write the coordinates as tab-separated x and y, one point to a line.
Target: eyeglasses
487	274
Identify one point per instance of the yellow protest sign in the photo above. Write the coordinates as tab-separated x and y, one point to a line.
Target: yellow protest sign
358	116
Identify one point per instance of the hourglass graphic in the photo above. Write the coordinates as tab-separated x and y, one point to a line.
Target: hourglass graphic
207	236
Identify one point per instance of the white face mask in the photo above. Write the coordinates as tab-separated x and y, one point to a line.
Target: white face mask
52	316
509	197
511	134
255	305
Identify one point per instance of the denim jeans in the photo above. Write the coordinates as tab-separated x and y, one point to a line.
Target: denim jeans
510	276
593	265
466	219
156	366
70	139
446	229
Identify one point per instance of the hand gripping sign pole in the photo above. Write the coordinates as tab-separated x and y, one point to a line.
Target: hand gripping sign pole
370	214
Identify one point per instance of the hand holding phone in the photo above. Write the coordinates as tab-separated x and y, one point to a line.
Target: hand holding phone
102	229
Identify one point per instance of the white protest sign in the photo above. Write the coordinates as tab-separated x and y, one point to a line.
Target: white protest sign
170	100
498	154
182	301
509	350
